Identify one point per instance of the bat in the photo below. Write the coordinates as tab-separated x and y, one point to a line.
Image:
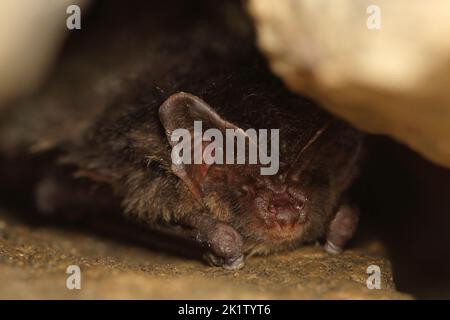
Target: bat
111	122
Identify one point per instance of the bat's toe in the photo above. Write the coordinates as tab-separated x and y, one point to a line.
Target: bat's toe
234	264
331	248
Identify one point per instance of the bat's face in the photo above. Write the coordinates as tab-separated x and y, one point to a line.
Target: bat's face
273	211
278	206
293	205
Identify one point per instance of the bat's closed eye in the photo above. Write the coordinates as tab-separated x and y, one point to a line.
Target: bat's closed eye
243	191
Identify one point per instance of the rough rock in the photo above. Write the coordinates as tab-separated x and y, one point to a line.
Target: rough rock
30	35
34	259
393	80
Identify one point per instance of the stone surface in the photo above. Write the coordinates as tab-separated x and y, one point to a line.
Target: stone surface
392	80
31	33
34	258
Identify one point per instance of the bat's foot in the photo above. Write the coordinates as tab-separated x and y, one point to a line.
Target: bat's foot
226	264
234	264
331	248
341	229
225	247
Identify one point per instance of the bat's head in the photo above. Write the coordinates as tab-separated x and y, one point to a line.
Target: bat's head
273	208
274	211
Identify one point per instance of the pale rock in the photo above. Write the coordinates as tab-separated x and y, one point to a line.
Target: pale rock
31	34
394	80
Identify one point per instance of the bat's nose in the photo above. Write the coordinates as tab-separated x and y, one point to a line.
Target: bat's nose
286	217
286	211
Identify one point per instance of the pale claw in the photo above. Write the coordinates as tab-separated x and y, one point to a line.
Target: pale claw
331	248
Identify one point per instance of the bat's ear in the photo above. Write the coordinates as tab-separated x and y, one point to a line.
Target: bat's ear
177	115
181	109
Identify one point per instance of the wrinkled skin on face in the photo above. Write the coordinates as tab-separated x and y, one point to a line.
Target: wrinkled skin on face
271	212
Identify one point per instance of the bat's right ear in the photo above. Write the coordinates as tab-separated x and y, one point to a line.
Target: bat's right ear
179	112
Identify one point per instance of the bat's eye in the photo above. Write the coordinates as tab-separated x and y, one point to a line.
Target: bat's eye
242	191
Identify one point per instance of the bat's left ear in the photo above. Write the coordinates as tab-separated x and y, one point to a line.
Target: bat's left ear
180	111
